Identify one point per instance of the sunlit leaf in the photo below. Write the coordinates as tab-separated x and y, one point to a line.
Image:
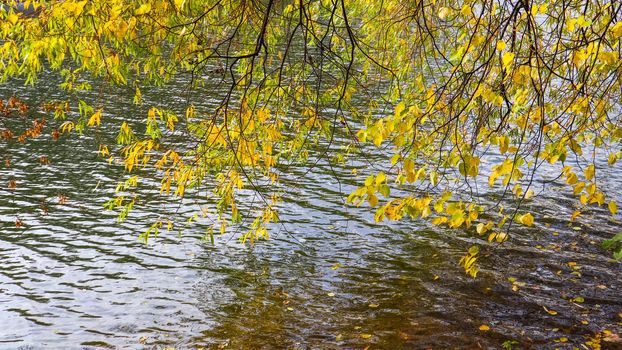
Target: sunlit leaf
501	45
550	311
527	219
613	207
508	59
143	9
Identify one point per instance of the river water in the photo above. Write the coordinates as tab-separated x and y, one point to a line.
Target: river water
74	278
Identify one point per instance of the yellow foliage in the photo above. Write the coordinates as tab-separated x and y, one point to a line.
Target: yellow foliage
617	29
143	9
445	105
613	207
508	59
501	45
526	219
95	119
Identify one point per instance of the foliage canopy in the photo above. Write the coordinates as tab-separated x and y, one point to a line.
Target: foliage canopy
457	98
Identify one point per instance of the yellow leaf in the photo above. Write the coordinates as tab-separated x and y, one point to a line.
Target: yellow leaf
508	59
579	299
380	178
439	220
378	139
67	126
443	12
365	335
575	215
570	24
77	7
369	180
527	219
13	18
179	4
143	9
591	189
572	178
501	45
529	194
399	109
617	29
103	150
492	178
549	311
95	119
589	172
582	22
373	200
613	207
481	228
501	237
484	327
579	57
466	10
504	143
409	166
394	159
434	178
578	188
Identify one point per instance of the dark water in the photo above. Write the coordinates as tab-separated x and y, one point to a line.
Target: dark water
75	278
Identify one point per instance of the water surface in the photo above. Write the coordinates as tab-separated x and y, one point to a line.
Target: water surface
74	277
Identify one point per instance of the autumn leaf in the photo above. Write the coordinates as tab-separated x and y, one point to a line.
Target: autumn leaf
143	9
613	207
527	219
550	311
508	59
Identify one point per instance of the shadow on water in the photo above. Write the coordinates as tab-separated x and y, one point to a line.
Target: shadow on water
76	278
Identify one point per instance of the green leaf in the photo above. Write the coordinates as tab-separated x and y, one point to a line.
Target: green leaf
609	242
385	190
474	250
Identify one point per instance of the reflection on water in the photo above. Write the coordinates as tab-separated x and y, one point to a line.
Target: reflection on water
76	278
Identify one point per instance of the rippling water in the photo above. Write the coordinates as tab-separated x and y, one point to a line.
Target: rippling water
76	278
